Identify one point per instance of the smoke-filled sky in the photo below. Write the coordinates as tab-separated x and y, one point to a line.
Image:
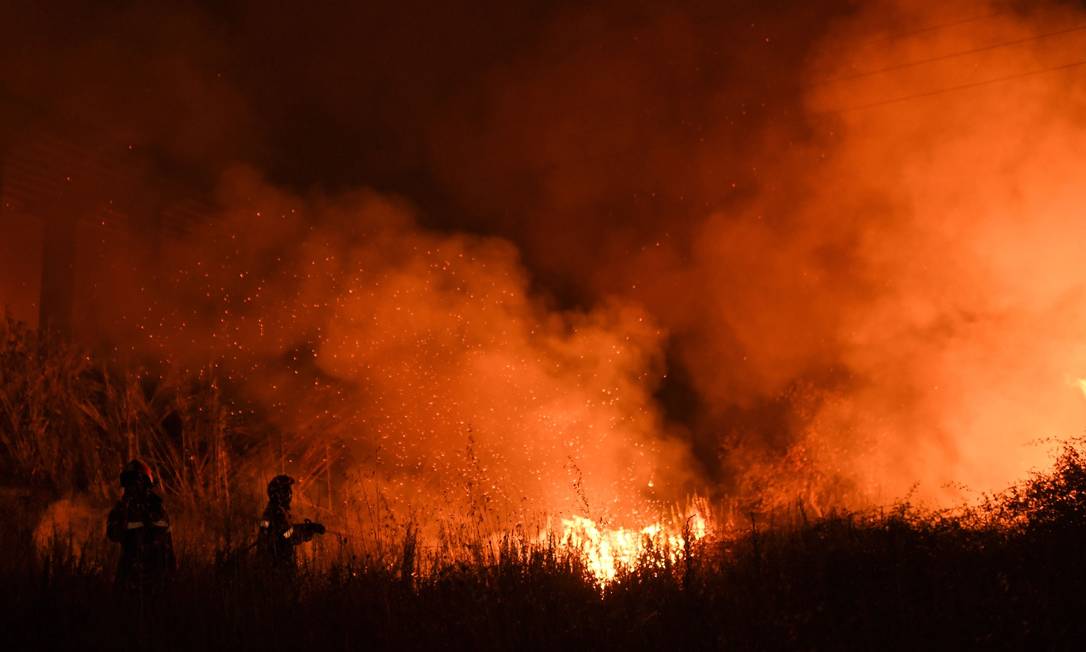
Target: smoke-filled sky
767	249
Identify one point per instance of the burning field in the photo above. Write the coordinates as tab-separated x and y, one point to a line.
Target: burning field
706	324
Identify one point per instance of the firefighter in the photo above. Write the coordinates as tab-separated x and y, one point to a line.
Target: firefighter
278	535
140	524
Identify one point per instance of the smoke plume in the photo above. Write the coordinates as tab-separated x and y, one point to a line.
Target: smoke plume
584	259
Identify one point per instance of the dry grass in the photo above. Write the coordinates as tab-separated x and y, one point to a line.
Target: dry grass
1006	574
895	579
68	420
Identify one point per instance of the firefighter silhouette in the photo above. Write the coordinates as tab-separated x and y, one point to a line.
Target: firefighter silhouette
140	524
278	535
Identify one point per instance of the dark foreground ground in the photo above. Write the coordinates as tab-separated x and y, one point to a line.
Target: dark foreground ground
1011	574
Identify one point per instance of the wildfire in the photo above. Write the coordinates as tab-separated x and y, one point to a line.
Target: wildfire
606	550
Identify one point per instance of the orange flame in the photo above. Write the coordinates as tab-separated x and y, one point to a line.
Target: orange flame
607	550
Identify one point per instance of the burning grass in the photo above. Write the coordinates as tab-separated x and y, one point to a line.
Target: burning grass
1007	572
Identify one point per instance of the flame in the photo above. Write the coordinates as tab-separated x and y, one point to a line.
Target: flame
607	550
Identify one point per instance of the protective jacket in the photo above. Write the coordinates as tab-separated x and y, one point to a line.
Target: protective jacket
140	524
278	536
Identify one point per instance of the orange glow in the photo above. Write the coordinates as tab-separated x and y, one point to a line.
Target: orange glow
606	551
835	271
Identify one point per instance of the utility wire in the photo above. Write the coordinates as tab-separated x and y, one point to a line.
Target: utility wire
951	89
941	26
894	36
868	43
945	57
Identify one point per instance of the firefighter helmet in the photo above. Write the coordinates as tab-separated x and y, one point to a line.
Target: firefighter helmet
279	487
137	471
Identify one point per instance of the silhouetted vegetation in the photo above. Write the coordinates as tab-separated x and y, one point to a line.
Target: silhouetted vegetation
69	420
1008	573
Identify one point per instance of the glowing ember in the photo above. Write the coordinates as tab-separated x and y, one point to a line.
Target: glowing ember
606	550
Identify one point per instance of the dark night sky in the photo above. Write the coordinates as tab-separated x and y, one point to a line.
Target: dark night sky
483	114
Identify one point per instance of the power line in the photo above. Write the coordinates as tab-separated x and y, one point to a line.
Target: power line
942	26
951	89
895	36
945	57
